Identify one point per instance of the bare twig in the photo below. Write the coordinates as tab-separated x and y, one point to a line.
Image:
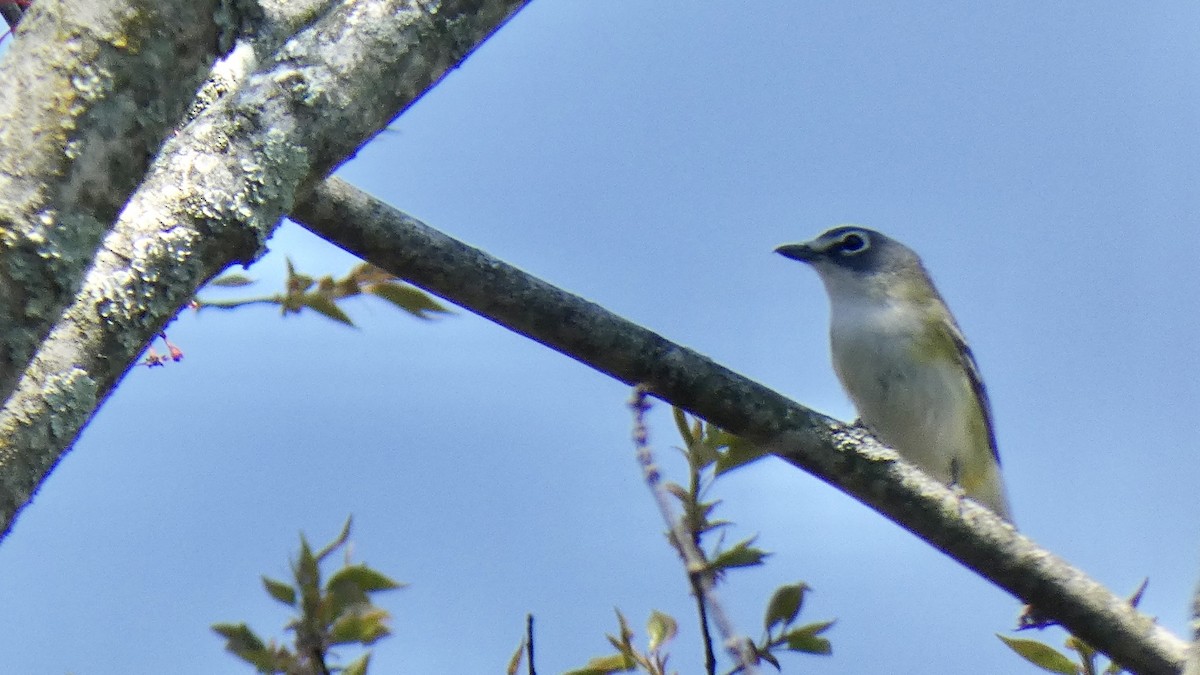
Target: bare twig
529	643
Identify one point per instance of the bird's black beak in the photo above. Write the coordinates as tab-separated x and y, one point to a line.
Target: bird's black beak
801	252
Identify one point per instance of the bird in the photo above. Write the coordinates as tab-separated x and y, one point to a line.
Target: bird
903	360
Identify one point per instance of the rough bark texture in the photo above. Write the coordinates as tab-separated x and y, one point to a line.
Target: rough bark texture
88	92
846	457
214	194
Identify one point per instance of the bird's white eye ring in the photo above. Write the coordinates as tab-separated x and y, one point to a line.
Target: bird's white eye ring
853	243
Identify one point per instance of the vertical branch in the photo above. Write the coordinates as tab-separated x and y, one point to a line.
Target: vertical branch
529	643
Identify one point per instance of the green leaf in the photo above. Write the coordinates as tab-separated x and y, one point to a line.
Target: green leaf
243	643
514	664
1085	650
408	298
661	628
681	423
239	637
740	554
623	644
626	633
784	605
348	587
702	454
366	626
677	490
603	665
1041	655
323	305
232	280
1087	656
358	666
280	591
308	574
807	638
341	597
740	453
365	578
337	542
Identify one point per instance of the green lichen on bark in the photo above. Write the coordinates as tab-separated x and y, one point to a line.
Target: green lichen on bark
31	439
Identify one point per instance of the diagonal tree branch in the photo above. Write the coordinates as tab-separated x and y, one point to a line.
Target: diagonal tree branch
216	192
845	457
88	92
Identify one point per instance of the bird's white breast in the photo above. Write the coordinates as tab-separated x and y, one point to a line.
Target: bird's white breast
913	401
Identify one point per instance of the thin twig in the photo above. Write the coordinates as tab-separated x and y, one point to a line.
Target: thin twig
529	642
710	657
698	570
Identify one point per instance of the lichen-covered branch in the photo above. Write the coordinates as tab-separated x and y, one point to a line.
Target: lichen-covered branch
88	92
843	456
216	192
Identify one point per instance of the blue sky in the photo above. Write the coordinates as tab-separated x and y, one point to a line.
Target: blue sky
1044	161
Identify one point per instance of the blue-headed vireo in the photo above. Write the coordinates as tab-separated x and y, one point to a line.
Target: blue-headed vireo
903	360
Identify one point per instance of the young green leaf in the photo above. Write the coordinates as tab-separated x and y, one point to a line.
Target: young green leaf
239	636
740	453
365	627
323	305
681	423
1041	655
605	665
676	490
282	592
740	554
365	578
332	546
661	628
514	664
702	454
408	298
243	643
784	605
807	638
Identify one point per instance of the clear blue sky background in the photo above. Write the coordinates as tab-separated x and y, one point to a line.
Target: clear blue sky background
648	156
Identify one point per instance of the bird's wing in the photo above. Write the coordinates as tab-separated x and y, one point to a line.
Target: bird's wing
967	361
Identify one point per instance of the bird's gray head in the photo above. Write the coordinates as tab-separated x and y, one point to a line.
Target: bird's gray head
852	259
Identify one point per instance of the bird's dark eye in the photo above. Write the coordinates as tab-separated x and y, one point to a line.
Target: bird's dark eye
852	243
